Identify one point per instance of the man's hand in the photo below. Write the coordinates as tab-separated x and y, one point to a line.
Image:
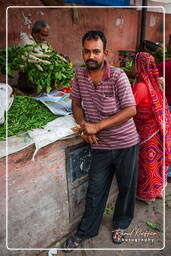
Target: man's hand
89	128
92	139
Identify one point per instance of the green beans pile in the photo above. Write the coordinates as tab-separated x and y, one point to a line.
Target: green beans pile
25	114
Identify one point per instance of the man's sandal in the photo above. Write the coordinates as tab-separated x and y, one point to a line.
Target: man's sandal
118	236
72	243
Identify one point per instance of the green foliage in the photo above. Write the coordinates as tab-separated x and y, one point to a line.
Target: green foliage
25	114
129	64
14	59
158	55
50	69
108	209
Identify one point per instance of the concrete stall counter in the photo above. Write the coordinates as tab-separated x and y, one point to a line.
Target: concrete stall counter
38	211
46	196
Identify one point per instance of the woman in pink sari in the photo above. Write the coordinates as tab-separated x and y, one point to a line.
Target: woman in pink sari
149	122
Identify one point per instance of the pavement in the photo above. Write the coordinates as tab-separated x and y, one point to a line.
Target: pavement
140	239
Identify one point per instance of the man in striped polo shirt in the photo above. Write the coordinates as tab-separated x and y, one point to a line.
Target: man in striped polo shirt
103	105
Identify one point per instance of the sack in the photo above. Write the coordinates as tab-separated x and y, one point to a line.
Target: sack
59	103
6	100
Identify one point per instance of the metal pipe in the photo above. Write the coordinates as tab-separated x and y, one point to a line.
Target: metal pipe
143	24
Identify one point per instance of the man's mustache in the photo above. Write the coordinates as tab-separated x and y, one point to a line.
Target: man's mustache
90	60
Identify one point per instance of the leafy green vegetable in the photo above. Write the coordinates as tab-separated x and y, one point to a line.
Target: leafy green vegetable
154	226
50	102
108	209
129	65
25	114
47	70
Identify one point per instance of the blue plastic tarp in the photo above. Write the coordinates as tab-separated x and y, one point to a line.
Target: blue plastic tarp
100	2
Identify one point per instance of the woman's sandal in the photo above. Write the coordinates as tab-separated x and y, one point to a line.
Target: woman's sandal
148	202
161	196
71	243
118	236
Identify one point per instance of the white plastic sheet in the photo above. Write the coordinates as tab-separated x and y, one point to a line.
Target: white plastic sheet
15	144
58	129
59	103
6	100
53	252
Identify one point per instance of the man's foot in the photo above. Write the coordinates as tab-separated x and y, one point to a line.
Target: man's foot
118	236
72	242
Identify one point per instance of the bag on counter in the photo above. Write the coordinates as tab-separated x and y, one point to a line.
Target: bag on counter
59	103
6	100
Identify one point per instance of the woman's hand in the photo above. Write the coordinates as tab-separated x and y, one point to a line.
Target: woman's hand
161	83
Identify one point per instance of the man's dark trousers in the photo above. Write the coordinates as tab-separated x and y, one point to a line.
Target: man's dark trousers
105	163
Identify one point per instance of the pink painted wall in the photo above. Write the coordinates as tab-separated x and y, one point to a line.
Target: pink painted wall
65	36
121	26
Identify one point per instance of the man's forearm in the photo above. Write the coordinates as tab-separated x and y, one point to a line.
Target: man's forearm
78	114
117	119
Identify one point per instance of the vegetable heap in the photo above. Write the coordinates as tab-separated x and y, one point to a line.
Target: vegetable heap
45	67
25	114
67	89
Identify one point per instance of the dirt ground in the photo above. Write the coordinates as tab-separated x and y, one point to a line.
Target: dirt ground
140	239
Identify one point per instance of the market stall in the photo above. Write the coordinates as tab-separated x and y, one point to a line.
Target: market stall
47	162
36	149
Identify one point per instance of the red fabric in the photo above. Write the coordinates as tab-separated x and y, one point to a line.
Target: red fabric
149	123
141	95
145	119
148	74
151	175
167	78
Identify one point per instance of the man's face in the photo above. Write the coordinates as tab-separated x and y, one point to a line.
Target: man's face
93	54
42	35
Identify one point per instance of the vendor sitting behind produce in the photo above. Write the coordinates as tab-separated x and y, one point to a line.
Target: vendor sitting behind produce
39	34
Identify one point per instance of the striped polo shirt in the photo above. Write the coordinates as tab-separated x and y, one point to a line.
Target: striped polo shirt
111	95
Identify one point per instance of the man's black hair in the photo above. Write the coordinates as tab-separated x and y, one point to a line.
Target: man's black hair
38	25
95	34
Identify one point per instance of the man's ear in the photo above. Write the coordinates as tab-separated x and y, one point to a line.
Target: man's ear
105	52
